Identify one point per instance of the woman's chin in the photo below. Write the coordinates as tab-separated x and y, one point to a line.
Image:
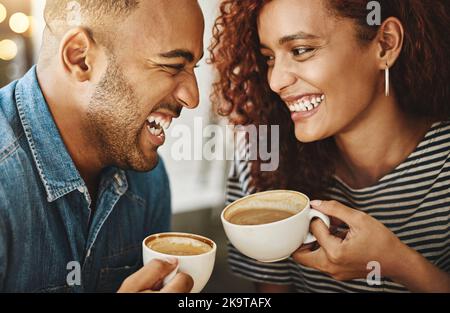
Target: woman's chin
306	135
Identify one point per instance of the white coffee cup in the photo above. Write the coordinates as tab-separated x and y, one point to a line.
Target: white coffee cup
274	241
198	266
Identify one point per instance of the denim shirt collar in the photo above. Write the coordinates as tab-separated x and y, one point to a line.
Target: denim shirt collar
55	166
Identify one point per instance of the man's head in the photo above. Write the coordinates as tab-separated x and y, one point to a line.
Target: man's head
125	66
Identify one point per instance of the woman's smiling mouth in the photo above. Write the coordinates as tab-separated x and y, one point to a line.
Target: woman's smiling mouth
304	106
304	103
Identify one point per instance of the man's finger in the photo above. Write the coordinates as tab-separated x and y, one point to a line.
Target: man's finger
336	209
148	276
182	283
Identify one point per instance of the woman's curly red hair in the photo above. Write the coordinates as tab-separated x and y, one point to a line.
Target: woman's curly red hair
420	77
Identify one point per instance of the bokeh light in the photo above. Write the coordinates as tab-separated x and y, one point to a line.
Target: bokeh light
8	49
19	22
2	13
32	23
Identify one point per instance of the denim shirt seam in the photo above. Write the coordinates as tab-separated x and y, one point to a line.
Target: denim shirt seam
52	194
134	197
129	248
27	131
10	149
102	222
63	191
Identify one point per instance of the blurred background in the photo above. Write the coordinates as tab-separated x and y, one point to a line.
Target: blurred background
198	186
17	30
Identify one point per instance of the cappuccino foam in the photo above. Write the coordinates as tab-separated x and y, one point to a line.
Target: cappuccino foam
175	245
259	216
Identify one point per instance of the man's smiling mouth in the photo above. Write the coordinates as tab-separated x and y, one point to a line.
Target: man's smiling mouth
157	123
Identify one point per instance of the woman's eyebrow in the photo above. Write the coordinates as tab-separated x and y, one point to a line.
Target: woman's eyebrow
285	39
296	36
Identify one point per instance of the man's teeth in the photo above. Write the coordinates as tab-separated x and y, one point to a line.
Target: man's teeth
154	131
157	124
162	122
306	105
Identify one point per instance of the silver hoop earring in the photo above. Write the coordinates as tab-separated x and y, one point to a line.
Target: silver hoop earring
386	79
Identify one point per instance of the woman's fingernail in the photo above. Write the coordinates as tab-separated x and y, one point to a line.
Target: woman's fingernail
316	203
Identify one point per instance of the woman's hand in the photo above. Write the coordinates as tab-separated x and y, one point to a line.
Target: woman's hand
367	240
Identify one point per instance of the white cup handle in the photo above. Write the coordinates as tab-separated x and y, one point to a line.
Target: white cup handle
312	214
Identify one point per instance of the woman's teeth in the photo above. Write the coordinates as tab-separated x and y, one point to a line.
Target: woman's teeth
157	124
303	105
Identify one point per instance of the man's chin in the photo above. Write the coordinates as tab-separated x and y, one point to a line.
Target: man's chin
143	163
147	164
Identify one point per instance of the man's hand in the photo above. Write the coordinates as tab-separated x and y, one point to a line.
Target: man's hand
149	279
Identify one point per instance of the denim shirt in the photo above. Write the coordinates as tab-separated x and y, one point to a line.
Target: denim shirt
50	241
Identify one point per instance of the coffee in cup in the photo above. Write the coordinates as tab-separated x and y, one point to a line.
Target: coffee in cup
258	216
178	245
269	226
196	255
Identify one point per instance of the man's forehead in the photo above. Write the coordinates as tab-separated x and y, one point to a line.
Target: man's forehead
166	13
166	27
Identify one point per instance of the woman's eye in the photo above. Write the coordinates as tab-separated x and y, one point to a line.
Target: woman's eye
270	60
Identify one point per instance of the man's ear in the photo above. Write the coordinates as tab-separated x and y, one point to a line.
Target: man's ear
390	41
77	52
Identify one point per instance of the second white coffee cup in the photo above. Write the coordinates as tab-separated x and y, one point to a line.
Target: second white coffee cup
274	241
198	266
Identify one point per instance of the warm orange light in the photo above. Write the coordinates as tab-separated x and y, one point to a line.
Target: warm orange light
8	49
2	12
32	23
19	22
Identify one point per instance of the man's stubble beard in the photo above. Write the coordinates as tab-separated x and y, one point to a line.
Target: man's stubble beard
113	122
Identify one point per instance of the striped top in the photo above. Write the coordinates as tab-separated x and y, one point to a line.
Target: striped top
413	201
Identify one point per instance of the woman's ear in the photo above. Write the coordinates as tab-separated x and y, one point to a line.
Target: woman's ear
77	51
390	41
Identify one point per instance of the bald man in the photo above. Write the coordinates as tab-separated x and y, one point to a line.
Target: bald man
80	180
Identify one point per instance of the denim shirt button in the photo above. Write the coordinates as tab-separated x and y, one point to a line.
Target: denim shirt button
81	189
118	180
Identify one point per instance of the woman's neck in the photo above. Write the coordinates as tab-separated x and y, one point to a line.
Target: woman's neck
377	142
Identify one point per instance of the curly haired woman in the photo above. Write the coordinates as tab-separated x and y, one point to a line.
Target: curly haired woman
364	127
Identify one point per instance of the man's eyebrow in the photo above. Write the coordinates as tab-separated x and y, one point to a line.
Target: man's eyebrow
299	35
178	53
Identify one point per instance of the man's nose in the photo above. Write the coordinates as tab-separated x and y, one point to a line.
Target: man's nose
187	92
